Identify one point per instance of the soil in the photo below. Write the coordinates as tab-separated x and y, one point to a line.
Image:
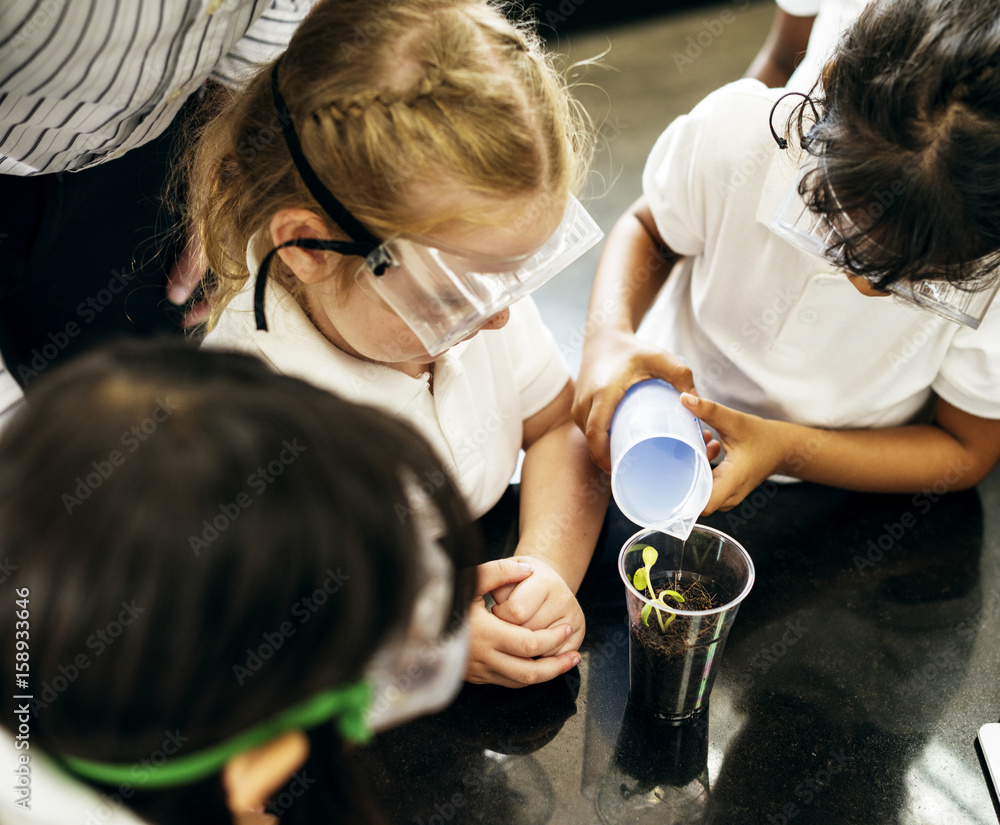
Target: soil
672	672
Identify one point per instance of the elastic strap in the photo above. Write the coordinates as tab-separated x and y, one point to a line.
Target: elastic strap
260	285
782	143
349	705
324	197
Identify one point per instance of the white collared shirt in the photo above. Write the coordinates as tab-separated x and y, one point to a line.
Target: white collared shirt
484	388
769	329
83	82
55	798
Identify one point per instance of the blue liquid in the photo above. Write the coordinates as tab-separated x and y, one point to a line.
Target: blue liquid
654	479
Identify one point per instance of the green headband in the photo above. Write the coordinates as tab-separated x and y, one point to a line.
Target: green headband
349	704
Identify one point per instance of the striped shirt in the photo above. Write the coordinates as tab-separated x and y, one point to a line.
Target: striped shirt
84	81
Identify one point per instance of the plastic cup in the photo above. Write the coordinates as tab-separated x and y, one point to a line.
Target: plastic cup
674	652
658	774
660	475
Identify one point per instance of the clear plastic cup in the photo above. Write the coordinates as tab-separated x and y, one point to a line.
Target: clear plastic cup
660	475
675	647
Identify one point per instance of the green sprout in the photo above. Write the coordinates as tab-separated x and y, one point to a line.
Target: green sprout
643	580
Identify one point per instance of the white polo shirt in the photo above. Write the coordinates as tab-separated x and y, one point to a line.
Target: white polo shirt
55	797
484	388
769	329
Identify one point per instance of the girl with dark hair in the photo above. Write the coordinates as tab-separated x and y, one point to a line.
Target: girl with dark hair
203	558
886	182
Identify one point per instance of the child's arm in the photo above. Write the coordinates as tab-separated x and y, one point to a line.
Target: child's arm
785	46
633	267
563	502
955	452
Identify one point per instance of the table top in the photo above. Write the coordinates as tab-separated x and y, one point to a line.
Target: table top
852	686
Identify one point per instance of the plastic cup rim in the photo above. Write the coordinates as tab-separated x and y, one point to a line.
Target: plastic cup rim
734	602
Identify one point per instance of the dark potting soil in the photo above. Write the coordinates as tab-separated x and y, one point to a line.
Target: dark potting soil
671	671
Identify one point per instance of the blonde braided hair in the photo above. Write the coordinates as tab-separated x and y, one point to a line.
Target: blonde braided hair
386	96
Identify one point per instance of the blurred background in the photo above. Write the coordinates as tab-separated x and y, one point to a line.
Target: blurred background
659	60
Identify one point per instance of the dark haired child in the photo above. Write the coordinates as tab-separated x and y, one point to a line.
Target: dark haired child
213	588
789	247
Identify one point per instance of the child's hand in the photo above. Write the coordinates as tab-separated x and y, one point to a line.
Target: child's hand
610	366
502	653
185	275
542	601
753	447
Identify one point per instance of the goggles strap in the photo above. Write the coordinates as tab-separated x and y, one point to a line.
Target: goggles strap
324	197
782	143
260	285
349	704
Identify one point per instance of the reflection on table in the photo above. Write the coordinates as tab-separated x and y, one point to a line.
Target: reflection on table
853	683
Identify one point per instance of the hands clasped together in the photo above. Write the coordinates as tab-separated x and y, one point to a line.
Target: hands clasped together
534	630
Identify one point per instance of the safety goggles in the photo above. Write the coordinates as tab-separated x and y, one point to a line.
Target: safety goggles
818	235
445	294
420	671
402	683
442	294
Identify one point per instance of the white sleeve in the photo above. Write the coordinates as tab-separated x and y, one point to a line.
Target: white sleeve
969	377
799	8
266	38
695	164
672	189
539	368
56	798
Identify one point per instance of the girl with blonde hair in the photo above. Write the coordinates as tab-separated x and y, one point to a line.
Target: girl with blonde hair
394	184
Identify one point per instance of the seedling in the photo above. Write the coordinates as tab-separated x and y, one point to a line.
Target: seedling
643	580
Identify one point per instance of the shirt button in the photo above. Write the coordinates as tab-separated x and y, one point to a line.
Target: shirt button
808	316
175	94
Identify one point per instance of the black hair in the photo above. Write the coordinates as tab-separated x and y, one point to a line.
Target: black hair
909	142
171	511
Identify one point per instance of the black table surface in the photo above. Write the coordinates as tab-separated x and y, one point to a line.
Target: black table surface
851	689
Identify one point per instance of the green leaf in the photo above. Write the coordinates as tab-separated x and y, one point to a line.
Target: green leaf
646	610
677	597
649	556
670	618
639	579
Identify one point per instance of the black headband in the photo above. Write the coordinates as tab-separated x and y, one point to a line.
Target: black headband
782	143
362	242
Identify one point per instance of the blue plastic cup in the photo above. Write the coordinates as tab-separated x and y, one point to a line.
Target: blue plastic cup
660	475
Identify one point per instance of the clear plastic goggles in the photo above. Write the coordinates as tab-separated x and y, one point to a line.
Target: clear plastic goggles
445	294
816	234
416	678
420	670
